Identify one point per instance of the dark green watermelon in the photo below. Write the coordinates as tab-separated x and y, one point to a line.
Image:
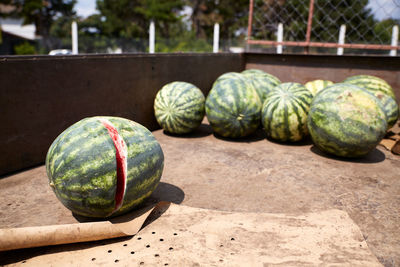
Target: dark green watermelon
233	108
104	166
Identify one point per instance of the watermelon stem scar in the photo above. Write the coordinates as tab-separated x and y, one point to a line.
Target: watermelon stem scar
121	159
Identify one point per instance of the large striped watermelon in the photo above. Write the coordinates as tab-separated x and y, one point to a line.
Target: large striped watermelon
317	85
230	76
346	120
233	108
263	82
104	166
381	89
179	107
284	112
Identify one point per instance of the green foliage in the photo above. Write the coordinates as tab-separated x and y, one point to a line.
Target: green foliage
183	43
383	29
25	48
231	15
42	14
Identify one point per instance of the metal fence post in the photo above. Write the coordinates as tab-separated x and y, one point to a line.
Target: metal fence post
395	40
342	34
151	37
279	38
74	38
216	38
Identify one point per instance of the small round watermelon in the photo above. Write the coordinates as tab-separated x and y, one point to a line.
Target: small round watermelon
382	90
346	120
317	85
233	108
284	112
263	82
104	166
179	107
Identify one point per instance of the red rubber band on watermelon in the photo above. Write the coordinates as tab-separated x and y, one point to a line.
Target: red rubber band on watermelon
121	158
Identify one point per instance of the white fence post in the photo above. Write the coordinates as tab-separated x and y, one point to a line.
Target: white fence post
74	38
395	40
151	37
216	38
342	34
279	38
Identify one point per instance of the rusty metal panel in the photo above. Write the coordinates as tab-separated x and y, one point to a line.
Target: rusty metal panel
41	96
303	68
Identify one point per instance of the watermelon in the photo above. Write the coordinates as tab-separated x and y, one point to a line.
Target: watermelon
230	76
382	90
317	85
104	166
263	82
284	112
346	120
179	107
233	108
390	107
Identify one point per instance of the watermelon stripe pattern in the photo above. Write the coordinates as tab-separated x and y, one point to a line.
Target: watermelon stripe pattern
233	108
372	84
179	107
284	112
346	121
263	82
317	85
382	90
82	166
391	109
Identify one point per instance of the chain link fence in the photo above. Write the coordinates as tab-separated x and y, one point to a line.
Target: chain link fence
359	26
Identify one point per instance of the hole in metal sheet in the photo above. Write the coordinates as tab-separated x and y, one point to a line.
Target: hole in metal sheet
221	246
153	233
147	246
166	264
175	234
171	248
109	251
141	263
161	239
125	245
23	261
132	252
93	259
116	260
232	238
139	238
156	255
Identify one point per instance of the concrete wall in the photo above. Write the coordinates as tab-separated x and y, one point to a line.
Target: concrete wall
42	96
304	68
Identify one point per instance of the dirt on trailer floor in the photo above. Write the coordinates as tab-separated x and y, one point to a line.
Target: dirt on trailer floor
249	175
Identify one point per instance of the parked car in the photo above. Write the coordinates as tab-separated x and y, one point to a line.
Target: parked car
60	52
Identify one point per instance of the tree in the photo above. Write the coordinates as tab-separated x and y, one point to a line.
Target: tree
131	18
41	13
231	15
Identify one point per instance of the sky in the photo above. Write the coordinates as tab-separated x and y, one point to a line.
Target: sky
85	8
381	9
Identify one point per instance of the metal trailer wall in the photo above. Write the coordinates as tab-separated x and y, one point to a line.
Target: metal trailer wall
304	68
40	96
